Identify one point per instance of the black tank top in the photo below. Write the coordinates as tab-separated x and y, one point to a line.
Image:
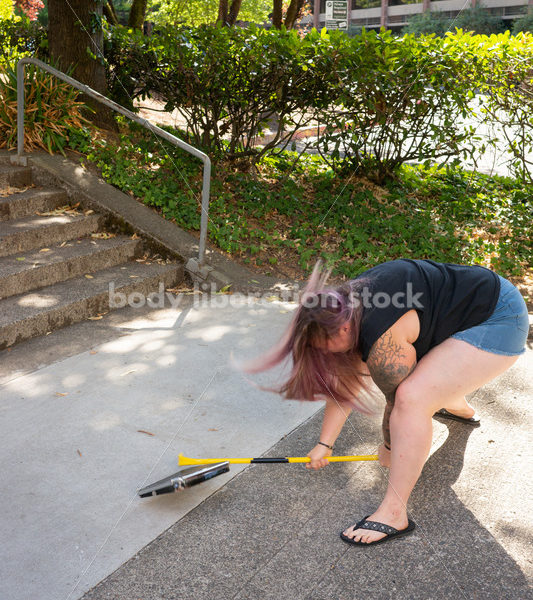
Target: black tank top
448	298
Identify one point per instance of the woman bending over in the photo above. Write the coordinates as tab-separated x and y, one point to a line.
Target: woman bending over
427	334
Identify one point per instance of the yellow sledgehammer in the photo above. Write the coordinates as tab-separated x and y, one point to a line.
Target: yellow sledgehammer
202	469
184	460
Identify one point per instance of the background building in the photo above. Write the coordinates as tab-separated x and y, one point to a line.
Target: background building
395	14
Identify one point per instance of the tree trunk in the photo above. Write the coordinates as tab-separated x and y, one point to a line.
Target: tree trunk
227	15
137	14
234	11
222	12
293	13
277	14
74	33
109	13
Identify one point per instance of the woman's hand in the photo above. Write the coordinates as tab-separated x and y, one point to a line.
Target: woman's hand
319	457
384	456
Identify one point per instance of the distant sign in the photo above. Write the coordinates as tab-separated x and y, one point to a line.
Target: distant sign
336	14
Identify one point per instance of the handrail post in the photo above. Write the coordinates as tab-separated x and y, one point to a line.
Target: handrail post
205	210
20	109
204	220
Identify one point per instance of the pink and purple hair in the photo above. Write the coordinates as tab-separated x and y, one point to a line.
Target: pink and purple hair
318	374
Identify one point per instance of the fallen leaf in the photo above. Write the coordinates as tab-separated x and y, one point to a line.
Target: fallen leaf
95	318
89	276
89	212
62	210
143	431
213	429
9	191
21	258
103	235
93	352
78	452
60	394
134	276
45	250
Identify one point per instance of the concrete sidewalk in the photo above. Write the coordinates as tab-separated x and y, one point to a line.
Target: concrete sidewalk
81	435
273	531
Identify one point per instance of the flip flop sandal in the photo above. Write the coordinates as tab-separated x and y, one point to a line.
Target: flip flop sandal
475	421
390	532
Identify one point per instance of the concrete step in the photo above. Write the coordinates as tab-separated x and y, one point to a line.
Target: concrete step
12	175
21	235
21	273
31	201
29	315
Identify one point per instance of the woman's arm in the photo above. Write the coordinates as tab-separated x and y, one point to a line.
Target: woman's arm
335	416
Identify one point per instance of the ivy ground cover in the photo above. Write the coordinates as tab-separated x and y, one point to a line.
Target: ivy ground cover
280	218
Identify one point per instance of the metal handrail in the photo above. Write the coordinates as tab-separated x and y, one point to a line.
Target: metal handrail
124	111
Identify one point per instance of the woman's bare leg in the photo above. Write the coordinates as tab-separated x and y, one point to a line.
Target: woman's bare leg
440	380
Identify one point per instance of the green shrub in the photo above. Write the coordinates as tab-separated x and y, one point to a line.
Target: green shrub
427	23
396	100
478	20
21	37
381	100
6	9
500	67
524	24
289	214
230	82
130	63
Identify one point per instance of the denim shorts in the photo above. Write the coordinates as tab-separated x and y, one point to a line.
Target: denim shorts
505	331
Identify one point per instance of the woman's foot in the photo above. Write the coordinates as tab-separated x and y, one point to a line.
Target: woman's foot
461	409
396	519
474	420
